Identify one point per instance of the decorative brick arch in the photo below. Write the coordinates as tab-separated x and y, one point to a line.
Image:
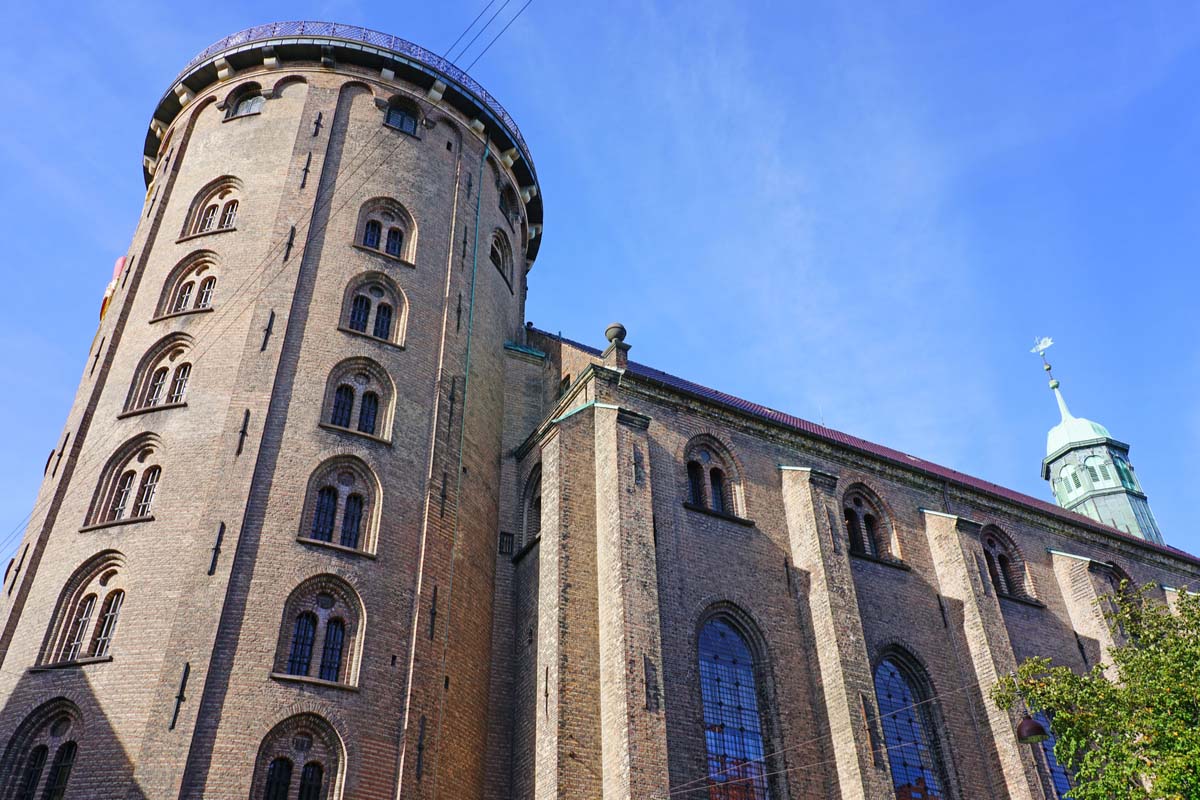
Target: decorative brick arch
303	738
362	376
348	476
100	575
869	524
167	358
376	288
196	269
138	455
328	597
51	726
702	456
1006	565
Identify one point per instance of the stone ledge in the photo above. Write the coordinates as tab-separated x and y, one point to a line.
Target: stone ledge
720	515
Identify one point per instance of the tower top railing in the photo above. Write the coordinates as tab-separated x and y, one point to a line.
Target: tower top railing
354	33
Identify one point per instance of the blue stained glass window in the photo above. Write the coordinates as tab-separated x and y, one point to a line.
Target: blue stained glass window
908	734
733	732
1059	776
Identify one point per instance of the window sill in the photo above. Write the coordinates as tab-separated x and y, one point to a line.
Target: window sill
341	548
213	232
364	335
116	523
79	662
283	677
1027	601
134	412
373	251
894	563
185	313
401	130
720	515
360	434
232	117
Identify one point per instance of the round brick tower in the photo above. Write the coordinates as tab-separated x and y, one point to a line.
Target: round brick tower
261	562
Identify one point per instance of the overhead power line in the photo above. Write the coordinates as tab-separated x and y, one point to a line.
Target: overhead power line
498	35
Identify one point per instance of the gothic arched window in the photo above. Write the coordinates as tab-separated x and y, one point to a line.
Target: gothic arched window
387	227
41	754
1005	566
304	739
190	286
343	497
86	618
359	397
128	483
531	508
375	307
910	734
245	100
161	377
501	256
868	528
321	621
734	726
712	481
214	208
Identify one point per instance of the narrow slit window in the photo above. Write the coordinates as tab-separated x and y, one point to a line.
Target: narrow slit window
717	482
695	483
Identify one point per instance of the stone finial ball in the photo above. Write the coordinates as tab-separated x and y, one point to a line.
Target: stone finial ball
615	332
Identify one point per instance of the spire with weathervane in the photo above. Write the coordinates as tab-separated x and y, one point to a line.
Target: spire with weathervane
1090	471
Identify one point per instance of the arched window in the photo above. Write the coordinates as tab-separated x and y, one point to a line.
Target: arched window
501	255
734	722
371	233
531	508
279	779
245	100
132	467
712	481
395	242
1069	475
910	734
306	739
311	781
1060	779
359	397
383	321
1006	567
374	306
214	208
319	631
380	214
343	405
342	496
180	294
402	116
331	653
41	754
1125	473
360	312
86	618
867	527
303	635
368	412
165	361
207	287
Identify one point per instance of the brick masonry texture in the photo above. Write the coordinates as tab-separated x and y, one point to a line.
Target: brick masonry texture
491	657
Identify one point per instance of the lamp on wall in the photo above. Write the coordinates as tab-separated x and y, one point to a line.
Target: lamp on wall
1030	731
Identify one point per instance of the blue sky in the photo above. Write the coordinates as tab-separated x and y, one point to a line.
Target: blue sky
859	213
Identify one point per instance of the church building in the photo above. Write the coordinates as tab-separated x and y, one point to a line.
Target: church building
328	520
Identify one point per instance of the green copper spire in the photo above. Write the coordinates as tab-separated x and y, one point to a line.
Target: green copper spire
1089	470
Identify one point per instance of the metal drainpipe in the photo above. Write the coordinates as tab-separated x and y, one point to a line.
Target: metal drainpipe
462	434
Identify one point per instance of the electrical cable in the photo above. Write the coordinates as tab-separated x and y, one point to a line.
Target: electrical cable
479	33
468	28
498	35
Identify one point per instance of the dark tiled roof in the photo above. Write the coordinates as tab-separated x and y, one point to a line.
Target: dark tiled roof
877	450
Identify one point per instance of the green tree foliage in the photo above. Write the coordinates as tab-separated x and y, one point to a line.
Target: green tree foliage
1136	737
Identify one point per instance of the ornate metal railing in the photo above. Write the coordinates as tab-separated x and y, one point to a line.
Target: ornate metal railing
354	33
